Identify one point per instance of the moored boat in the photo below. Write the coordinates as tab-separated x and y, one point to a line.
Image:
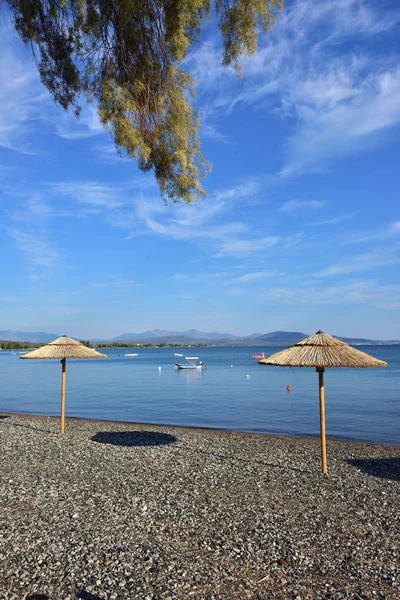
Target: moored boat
190	364
259	355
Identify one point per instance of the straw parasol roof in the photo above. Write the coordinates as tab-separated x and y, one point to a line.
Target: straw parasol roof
63	347
322	350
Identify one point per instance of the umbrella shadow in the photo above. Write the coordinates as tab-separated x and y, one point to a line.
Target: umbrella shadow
134	438
37	597
386	468
4	417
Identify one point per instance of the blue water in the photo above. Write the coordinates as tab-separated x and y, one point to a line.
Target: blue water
361	404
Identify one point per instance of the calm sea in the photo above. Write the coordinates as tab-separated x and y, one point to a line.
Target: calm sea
361	404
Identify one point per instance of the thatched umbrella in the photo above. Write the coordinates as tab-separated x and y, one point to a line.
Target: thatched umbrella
63	348
322	350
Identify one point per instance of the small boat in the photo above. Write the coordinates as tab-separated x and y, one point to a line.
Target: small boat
190	364
178	354
128	354
259	355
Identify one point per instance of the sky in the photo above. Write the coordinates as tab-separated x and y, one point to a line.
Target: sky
301	226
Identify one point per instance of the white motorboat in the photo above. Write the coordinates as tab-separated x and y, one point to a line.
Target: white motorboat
129	354
190	364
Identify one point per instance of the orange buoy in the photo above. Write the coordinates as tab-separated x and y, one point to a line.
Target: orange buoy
288	388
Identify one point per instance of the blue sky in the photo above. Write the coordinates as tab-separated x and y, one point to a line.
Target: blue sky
301	226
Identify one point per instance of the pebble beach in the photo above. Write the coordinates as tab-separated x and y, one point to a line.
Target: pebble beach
123	511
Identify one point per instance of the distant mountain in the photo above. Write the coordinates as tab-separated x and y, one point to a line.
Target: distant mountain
37	337
355	340
278	337
188	334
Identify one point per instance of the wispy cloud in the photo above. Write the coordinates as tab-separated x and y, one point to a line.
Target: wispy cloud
356	292
245	247
117	284
344	125
97	195
209	221
200	276
293	206
87	125
26	105
33	210
131	206
38	250
379	257
343	98
32	236
335	220
250	277
109	154
385	233
20	98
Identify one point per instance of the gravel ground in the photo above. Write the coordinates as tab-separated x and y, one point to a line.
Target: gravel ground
124	511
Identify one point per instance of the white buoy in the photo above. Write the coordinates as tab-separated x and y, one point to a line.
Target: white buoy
159	368
247	376
231	366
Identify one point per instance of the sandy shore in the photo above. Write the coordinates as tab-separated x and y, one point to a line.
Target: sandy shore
123	511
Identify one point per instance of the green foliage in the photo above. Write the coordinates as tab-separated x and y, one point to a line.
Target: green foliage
126	55
5	345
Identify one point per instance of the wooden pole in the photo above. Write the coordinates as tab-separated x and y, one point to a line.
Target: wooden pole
63	376
320	371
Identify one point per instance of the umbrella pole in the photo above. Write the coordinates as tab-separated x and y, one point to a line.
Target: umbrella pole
320	371
63	377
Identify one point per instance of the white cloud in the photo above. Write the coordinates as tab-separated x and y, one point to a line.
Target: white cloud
86	125
38	250
343	98
249	188
200	277
356	292
295	205
109	154
335	220
26	105
248	277
386	233
117	283
32	210
345	125
32	237
245	247
209	220
379	257
128	206
293	240
95	194
20	98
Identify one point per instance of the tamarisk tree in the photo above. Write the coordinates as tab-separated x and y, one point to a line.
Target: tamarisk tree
126	56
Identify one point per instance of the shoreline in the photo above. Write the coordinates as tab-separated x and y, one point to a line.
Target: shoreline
199	429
